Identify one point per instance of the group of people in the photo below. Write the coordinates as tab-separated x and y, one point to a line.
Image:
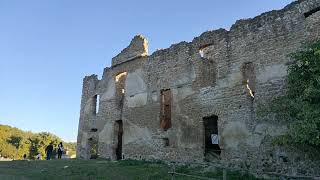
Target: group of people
49	150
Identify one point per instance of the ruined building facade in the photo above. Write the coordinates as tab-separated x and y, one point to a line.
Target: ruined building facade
167	105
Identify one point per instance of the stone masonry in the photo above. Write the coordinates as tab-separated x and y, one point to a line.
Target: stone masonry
157	107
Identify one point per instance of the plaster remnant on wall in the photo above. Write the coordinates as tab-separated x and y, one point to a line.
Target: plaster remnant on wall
234	79
106	135
110	90
134	83
134	133
231	80
268	73
154	96
186	77
137	100
84	140
182	93
234	133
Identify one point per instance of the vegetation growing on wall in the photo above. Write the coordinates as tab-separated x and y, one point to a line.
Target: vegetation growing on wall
14	143
300	105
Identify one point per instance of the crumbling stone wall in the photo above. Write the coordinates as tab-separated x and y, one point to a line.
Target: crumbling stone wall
222	73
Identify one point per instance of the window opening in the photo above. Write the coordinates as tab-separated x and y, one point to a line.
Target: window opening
165	114
97	98
120	88
165	142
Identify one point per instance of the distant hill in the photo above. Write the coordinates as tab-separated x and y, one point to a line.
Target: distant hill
14	143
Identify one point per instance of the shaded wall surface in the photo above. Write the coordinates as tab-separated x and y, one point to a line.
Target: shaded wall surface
220	73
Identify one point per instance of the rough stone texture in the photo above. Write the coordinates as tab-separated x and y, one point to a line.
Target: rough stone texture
137	48
207	77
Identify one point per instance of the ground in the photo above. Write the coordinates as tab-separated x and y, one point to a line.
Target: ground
103	169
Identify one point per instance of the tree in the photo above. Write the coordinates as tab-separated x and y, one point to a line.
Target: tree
8	150
14	143
300	105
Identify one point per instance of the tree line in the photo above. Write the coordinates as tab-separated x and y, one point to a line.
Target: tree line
14	143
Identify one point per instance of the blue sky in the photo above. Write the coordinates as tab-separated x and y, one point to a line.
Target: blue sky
48	46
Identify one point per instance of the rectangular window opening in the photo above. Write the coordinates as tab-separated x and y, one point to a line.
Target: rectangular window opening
97	102
165	142
165	114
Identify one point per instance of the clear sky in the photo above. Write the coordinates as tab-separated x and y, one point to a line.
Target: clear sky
48	46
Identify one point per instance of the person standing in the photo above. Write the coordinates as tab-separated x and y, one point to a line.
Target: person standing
49	150
60	150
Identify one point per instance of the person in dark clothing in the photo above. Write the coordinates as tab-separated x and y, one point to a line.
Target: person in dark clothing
60	150
49	150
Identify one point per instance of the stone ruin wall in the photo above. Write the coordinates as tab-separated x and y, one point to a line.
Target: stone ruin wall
207	76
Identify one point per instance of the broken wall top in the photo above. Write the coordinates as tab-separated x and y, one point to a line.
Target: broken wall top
287	18
138	48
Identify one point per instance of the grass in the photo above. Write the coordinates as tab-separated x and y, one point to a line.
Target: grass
102	169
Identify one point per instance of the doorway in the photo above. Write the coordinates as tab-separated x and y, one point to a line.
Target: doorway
211	136
118	134
93	148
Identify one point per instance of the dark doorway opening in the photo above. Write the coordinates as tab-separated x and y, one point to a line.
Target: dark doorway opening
119	133
211	136
165	114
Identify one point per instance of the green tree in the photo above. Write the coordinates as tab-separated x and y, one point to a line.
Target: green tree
14	143
300	105
8	150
